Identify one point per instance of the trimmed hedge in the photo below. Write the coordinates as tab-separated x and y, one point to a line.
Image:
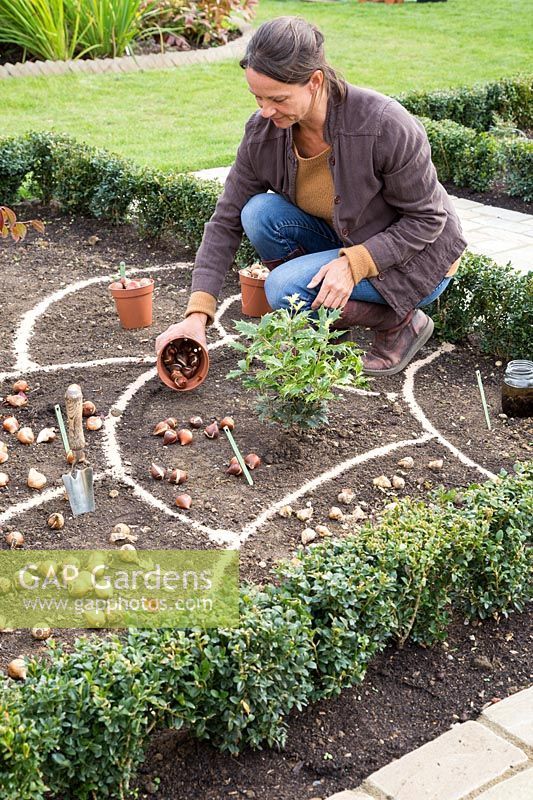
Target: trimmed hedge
79	723
94	182
464	156
490	301
465	148
477	106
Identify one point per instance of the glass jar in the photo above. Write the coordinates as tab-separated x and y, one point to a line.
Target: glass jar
517	389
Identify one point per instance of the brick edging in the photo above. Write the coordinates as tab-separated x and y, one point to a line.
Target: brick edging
47	68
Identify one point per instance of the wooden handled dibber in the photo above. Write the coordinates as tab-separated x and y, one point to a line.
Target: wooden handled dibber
74	406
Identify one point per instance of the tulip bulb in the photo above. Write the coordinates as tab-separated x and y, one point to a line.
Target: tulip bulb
26	436
122	533
172	422
94	423
17	669
128	554
4	480
183	501
88	408
157	472
196	422
17	400
36	480
14	539
3	456
46	435
185	436
252	460
21	386
56	521
11	424
41	632
177	476
234	467
161	428
170	437
227	422
212	431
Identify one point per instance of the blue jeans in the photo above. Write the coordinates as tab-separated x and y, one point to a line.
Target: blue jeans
277	228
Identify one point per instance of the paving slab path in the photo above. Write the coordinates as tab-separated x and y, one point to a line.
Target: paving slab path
504	235
490	759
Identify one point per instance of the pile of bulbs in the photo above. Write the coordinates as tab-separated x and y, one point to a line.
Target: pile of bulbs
257	271
181	359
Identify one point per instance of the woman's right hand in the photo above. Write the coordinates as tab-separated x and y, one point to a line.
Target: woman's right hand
192	326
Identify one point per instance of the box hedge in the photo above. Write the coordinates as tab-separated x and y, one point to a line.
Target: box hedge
80	722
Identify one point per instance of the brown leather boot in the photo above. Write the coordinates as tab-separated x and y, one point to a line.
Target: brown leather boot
396	340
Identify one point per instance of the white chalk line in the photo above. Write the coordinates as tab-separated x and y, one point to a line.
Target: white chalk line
418	414
99	362
26	326
41	498
329	475
221	311
36	368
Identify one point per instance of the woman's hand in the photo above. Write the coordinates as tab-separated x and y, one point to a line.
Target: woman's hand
193	327
337	284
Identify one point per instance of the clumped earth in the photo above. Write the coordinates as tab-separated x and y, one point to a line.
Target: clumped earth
410	695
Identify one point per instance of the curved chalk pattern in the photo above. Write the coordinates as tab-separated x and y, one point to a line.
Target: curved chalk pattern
111	448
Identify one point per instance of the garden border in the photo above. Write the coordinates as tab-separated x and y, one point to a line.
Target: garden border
141	63
314	632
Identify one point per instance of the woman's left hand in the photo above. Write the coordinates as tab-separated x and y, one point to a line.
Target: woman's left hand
337	284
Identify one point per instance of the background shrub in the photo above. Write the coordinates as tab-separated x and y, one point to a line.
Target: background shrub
349	595
204	23
490	301
519	168
464	156
477	106
496	561
24	744
16	161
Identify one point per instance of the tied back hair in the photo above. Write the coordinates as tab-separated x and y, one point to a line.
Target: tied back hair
289	50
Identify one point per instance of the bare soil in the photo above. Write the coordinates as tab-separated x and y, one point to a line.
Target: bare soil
409	696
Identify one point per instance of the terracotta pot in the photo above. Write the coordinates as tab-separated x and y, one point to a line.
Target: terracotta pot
253	297
195	380
134	306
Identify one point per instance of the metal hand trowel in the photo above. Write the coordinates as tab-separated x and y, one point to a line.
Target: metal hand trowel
79	482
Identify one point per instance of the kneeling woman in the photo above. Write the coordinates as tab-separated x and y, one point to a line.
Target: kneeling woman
335	188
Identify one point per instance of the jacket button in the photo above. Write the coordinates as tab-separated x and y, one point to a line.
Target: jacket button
332	161
381	276
345	231
337	199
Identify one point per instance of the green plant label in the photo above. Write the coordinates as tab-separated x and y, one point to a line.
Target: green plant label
119	588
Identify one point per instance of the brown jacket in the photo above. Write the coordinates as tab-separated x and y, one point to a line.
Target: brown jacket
387	196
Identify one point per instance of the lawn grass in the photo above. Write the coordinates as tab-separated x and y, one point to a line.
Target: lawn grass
192	117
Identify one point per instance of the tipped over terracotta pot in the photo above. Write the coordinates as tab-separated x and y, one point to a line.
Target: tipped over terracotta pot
182	363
